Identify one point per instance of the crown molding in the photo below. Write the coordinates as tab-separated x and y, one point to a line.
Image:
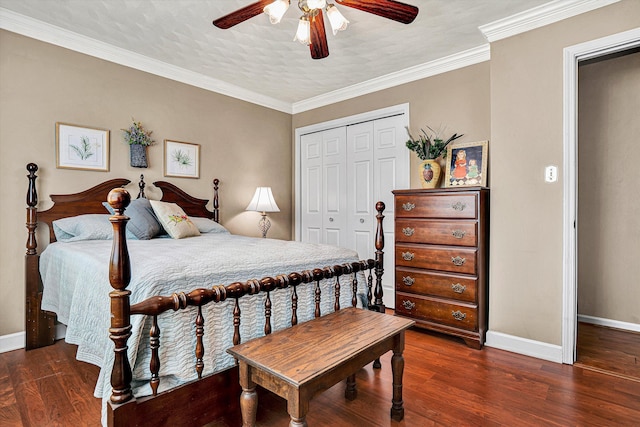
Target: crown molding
417	72
539	16
26	26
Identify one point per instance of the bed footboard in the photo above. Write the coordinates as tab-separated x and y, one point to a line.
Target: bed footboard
212	396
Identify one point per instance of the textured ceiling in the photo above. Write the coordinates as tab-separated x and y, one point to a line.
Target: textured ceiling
263	58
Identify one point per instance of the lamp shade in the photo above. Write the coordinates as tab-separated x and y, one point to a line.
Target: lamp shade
263	201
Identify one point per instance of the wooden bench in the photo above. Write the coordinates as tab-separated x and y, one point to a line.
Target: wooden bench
298	362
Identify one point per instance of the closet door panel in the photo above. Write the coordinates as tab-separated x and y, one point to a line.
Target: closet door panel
360	224
311	176
334	200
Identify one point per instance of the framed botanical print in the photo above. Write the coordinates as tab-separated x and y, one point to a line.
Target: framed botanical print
181	159
82	147
467	164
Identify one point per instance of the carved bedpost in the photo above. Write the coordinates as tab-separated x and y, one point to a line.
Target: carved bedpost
378	302
119	277
216	204
39	325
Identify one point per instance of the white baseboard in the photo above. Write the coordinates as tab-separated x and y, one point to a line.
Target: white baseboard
16	341
12	342
527	347
626	326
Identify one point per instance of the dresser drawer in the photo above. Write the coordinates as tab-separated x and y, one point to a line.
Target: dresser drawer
454	233
459	206
463	316
451	259
450	286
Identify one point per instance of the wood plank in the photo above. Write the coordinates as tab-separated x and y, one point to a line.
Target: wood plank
445	383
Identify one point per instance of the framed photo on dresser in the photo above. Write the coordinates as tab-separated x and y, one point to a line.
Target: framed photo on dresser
467	164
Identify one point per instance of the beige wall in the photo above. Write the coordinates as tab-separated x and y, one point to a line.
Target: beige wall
526	135
515	101
242	144
608	206
458	100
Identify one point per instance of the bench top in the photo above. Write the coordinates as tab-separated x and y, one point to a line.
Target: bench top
308	350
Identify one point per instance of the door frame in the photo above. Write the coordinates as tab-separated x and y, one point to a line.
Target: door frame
572	56
318	127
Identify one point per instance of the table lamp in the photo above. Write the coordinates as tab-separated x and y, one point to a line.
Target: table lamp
263	202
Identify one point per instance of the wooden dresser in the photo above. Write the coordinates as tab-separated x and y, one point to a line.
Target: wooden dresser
441	260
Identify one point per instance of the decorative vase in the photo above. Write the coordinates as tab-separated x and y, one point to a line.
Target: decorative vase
138	155
430	172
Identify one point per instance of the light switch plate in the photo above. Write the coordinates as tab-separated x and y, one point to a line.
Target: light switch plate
551	173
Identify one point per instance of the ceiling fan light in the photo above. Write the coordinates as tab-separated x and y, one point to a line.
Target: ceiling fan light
303	35
337	21
316	4
276	10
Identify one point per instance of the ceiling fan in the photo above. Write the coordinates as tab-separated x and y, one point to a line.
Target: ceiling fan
311	30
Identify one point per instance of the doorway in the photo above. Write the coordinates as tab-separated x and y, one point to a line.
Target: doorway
608	333
574	55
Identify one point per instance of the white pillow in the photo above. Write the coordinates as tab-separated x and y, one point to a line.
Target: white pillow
173	219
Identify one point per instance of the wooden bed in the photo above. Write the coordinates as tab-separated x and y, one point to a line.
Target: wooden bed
211	396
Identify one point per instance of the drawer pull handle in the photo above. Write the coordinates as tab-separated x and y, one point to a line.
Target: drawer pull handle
361	220
459	206
458	315
457	261
407	256
458	234
408	305
408	206
407	231
458	288
408	280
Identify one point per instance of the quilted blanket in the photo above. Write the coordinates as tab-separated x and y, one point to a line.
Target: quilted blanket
76	287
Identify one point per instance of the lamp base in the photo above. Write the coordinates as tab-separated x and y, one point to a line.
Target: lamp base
264	224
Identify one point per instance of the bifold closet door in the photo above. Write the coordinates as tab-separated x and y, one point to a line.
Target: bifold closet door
324	196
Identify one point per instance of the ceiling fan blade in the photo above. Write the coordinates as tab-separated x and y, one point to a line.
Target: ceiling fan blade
389	9
318	46
241	15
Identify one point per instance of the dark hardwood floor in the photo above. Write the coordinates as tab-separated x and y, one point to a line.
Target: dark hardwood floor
609	350
445	383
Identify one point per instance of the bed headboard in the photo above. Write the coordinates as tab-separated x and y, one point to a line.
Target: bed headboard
65	205
90	202
192	206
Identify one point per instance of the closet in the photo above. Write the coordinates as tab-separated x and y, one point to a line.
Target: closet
343	171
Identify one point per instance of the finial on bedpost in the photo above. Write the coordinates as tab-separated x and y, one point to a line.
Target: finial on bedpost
216	204
141	185
119	277
379	258
32	214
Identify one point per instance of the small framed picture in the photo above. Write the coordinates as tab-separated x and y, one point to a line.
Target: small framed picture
181	159
467	164
82	147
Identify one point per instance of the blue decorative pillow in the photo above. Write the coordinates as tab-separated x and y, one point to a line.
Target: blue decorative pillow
143	223
205	225
83	227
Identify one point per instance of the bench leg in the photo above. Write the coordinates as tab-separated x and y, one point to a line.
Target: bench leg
397	368
350	393
297	407
248	398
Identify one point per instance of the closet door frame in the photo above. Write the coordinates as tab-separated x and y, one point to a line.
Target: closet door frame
344	121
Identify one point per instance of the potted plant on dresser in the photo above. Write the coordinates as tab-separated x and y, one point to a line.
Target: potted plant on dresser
429	147
138	139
